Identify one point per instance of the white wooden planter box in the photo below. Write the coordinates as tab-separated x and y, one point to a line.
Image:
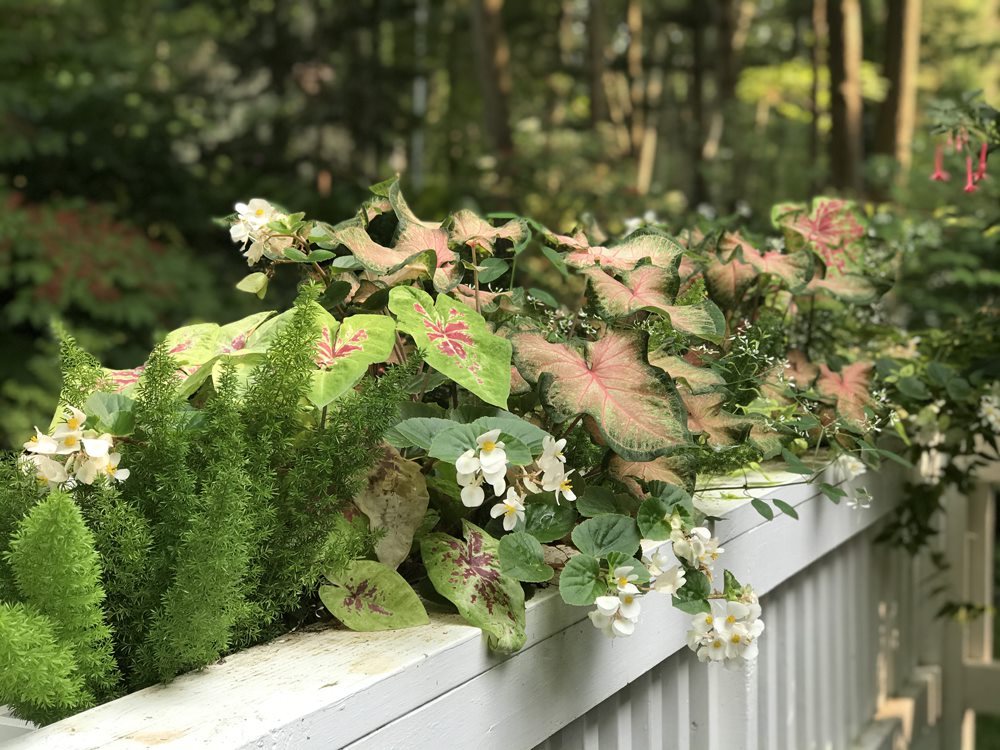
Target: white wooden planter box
816	683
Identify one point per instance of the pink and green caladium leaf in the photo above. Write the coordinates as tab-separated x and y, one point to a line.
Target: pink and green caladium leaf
456	341
371	596
468	574
794	269
635	406
474	231
849	287
643	245
384	260
651	288
727	278
833	229
344	352
849	389
706	415
632	473
692	377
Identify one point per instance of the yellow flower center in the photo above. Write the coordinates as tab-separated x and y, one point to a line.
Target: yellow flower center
510	509
70	440
259	212
734	638
110	470
566	485
716	644
41	479
709	619
730	620
623	581
73	423
34	439
488	446
628	599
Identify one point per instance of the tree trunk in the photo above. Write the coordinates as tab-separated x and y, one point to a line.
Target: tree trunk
654	100
634	67
819	47
897	116
699	188
597	42
846	139
493	66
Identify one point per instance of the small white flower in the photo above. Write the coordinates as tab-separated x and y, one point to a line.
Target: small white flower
989	412
552	453
97	447
72	424
624	576
492	457
497	479
670	581
50	473
42	443
112	470
697	547
86	469
511	509
468	462
473	495
257	213
714	649
624	604
559	484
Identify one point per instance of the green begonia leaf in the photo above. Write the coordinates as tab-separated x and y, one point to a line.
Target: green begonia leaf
372	596
455	340
581	582
468	574
607	533
522	557
548	522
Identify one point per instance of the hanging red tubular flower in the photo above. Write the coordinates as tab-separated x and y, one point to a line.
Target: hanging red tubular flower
939	174
981	169
970	183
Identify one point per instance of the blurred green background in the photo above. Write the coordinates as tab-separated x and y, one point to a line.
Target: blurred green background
127	125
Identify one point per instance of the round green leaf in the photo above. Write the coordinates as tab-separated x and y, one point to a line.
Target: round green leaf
548	522
449	444
607	533
581	582
522	557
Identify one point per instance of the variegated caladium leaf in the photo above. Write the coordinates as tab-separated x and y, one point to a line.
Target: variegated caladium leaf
456	341
471	230
849	287
468	574
727	278
345	350
631	473
706	415
849	389
394	498
383	260
652	288
692	377
371	596
833	229
794	269
649	245
635	406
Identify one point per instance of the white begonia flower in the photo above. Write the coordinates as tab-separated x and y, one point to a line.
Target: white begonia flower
257	213
697	547
511	509
670	581
112	470
498	480
97	447
624	604
86	469
726	614
560	484
624	577
73	421
714	649
989	411
42	443
492	457
68	442
472	494
47	471
467	463
552	452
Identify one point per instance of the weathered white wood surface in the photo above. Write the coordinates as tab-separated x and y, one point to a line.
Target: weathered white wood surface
438	684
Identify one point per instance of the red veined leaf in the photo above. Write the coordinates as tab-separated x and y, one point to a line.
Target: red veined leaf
767	440
634	405
647	288
644	244
576	241
800	370
469	229
695	379
727	278
661	469
705	414
849	388
488	301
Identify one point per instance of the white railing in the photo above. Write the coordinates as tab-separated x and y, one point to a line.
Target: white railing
849	659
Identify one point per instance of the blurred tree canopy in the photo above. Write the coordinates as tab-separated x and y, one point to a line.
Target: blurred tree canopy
159	115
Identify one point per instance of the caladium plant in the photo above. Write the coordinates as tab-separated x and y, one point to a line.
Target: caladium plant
567	394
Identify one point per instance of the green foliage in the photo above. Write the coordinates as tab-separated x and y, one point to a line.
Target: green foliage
81	371
58	573
18	493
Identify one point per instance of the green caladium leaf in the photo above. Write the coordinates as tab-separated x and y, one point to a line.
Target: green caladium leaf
606	533
202	342
522	557
112	412
652	288
581	582
548	522
455	340
468	574
344	352
371	596
635	406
